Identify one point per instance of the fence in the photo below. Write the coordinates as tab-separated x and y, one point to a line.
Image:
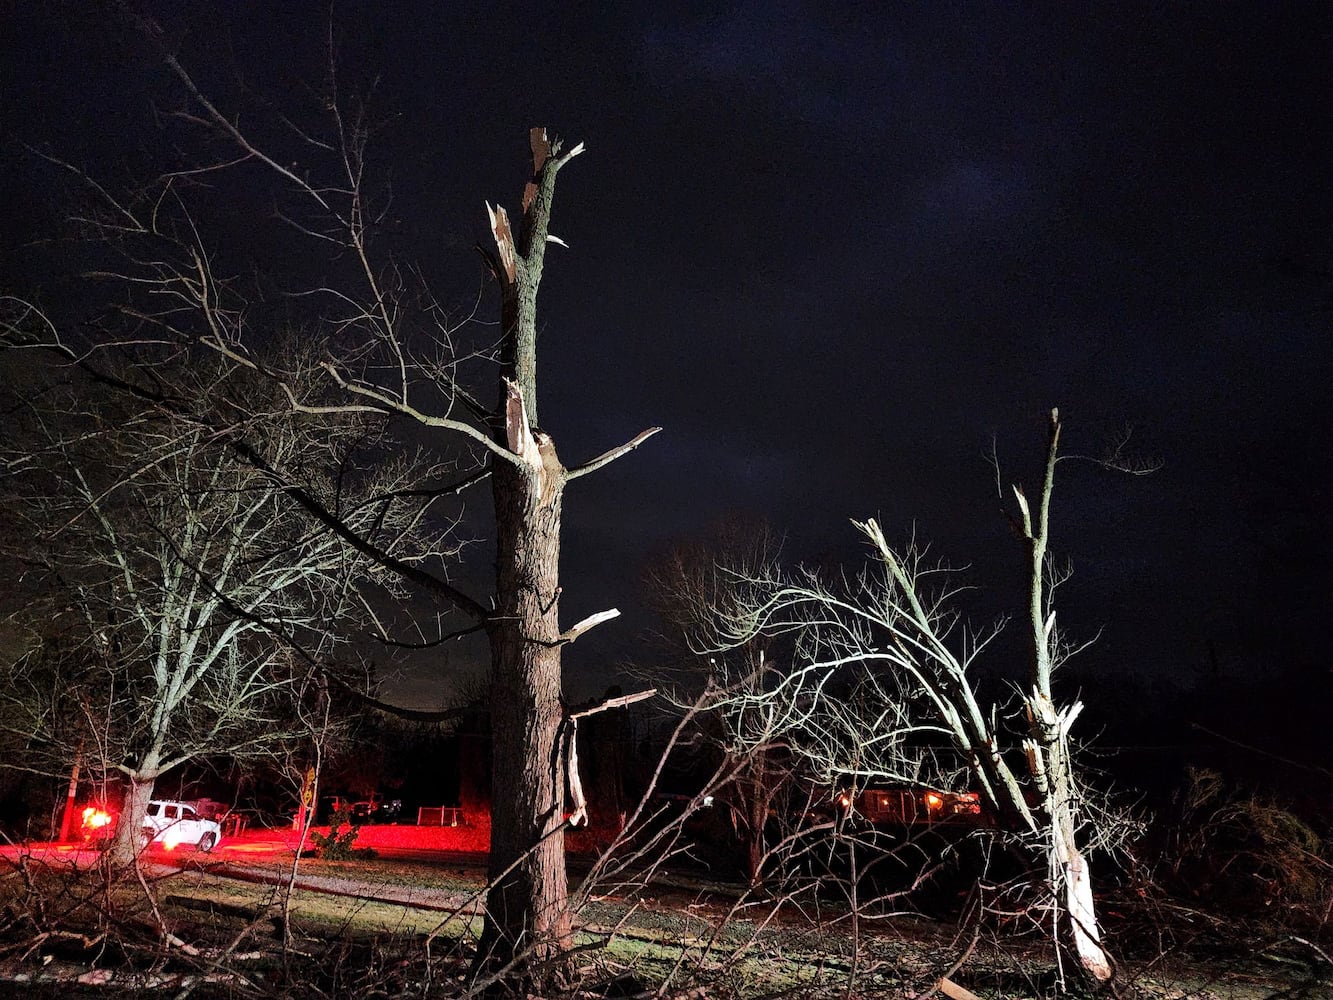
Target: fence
440	816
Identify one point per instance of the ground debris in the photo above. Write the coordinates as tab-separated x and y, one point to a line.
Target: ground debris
119	979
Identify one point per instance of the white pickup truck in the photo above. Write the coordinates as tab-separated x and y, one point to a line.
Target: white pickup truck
171	823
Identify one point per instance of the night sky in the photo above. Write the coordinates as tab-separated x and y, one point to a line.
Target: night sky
835	250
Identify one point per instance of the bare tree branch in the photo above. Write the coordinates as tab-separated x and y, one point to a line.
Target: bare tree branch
608	457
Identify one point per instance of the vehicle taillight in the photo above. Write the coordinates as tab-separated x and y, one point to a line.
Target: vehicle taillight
95	819
934	800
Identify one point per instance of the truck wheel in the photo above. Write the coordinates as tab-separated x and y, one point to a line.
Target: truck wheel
207	841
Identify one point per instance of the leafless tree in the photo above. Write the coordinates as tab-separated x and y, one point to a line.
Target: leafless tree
392	352
883	660
185	577
687	587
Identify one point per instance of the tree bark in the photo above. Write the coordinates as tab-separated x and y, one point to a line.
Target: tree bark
125	847
526	910
759	794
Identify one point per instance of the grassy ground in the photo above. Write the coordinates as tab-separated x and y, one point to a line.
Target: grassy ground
356	926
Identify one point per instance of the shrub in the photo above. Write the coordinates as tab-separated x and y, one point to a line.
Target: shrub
336	845
1247	853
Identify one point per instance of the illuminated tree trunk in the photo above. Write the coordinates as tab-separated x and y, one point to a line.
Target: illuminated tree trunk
134	807
1047	745
527	912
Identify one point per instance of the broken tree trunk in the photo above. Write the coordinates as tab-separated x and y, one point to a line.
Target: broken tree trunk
527	920
1047	745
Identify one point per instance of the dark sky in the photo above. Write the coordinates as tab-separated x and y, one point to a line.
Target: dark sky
834	250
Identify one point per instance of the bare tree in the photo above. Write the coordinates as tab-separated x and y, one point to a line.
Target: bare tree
882	660
687	587
392	352
187	578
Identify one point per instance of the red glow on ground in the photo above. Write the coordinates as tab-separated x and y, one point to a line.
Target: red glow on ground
404	837
259	847
474	839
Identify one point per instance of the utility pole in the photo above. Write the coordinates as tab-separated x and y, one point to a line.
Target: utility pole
67	821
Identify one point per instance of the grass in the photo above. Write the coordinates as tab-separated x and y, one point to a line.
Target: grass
390	872
673	929
342	939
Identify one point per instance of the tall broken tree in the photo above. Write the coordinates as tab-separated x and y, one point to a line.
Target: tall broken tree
526	903
1047	746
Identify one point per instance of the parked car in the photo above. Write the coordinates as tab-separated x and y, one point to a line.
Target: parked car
377	811
170	823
